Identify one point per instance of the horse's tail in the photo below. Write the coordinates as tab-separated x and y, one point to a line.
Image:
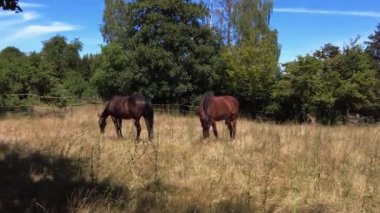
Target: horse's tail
206	104
149	117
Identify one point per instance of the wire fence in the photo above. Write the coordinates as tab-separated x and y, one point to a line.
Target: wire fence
175	108
30	102
36	105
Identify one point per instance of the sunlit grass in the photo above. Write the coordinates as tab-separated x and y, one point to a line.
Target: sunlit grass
267	168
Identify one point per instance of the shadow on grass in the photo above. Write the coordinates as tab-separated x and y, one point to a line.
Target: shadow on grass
33	182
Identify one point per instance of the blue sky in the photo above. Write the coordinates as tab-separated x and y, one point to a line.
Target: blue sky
303	25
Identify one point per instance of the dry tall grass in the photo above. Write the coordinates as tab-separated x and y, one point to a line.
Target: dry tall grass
66	164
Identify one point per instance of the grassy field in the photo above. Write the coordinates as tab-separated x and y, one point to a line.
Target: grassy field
62	163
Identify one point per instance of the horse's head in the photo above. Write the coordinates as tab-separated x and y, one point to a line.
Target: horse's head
102	123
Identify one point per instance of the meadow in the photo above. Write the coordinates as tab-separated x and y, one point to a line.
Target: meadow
61	163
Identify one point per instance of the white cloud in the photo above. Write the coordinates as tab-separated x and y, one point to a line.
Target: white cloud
371	14
27	16
19	18
6	13
23	15
30	5
36	30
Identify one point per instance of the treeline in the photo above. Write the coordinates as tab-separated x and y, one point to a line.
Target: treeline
330	85
174	52
57	73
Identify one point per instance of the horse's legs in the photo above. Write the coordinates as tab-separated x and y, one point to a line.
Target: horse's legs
233	126
115	121
214	128
119	126
138	128
229	125
149	126
205	128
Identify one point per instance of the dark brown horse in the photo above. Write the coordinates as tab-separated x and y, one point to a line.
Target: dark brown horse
217	108
128	107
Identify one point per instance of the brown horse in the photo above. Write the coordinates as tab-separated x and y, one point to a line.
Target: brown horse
217	108
128	107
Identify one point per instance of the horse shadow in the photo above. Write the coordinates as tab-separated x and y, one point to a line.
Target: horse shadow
34	182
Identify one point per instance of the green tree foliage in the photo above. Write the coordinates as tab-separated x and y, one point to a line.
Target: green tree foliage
16	72
356	88
328	51
115	18
304	89
59	56
373	48
88	64
252	71
166	51
110	78
252	64
373	45
328	85
57	71
61	61
10	5
223	14
251	19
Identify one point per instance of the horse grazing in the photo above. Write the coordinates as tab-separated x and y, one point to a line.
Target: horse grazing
217	108
128	107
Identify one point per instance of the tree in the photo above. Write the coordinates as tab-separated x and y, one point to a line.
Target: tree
224	17
87	67
167	51
329	85
41	80
304	89
373	45
251	19
356	86
59	56
60	69
373	48
110	78
10	5
252	71
115	20
252	64
15	74
328	51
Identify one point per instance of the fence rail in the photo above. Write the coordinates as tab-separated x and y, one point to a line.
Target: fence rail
75	102
39	96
